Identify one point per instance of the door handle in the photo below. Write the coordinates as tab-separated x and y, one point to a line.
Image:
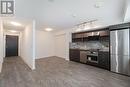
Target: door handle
111	49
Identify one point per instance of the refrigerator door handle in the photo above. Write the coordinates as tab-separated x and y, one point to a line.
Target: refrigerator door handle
110	49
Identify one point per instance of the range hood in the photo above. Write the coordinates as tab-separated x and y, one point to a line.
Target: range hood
93	36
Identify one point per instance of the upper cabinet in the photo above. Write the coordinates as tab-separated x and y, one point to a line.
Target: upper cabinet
80	35
86	35
104	33
91	35
77	37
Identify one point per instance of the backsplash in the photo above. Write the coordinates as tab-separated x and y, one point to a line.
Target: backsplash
90	45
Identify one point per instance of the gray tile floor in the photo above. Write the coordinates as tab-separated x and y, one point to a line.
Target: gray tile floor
57	72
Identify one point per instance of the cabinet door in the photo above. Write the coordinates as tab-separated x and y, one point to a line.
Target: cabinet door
77	39
90	34
104	33
74	55
85	35
77	35
104	61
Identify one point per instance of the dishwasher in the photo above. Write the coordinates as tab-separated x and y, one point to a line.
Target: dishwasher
83	56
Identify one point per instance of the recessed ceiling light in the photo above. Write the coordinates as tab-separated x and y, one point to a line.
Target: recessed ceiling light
51	0
16	24
48	29
99	4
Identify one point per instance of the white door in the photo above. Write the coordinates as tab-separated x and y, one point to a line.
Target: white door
60	49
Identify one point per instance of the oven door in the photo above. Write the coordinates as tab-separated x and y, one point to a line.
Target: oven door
93	59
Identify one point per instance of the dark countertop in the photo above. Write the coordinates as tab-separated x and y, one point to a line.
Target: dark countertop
103	50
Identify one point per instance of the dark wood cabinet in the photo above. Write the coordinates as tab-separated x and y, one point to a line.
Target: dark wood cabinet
105	39
102	36
104	60
77	40
84	36
104	33
77	37
74	55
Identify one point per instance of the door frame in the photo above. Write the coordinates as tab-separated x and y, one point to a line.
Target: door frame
19	42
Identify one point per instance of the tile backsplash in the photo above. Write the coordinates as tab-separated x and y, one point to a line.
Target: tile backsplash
90	45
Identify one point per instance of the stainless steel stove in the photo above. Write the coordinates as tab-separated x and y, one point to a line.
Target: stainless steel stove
92	55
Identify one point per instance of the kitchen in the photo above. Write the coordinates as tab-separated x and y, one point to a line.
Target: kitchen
65	43
106	48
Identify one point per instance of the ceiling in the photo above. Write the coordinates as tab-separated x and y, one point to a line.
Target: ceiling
65	14
127	13
9	26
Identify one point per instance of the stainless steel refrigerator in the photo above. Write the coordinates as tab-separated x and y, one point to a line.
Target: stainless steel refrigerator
120	49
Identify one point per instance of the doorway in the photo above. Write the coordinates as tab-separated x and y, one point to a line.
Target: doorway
11	45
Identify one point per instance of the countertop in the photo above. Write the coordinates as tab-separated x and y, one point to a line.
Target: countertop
103	50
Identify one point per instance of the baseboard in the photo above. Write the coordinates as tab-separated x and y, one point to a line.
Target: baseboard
45	57
62	58
67	59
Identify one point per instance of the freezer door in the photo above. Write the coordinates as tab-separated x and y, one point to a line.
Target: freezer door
119	42
120	64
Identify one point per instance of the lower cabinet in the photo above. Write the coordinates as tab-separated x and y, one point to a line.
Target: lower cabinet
80	56
74	55
104	60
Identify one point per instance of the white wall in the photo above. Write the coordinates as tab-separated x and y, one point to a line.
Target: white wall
53	43
44	44
28	45
1	44
60	45
127	13
64	51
